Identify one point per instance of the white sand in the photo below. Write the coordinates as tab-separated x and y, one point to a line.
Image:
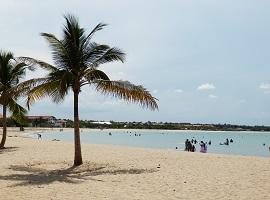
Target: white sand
35	169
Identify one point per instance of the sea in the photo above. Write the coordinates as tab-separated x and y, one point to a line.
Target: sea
244	143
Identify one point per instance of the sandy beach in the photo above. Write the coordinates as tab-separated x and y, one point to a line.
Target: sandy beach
39	169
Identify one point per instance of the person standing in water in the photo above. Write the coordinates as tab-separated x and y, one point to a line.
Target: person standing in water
203	147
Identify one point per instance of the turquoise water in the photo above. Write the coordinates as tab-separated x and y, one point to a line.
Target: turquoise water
245	143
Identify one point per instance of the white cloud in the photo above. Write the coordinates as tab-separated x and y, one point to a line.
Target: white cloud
206	86
265	86
178	91
212	96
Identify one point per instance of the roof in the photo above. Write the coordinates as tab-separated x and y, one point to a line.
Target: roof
39	117
102	123
61	121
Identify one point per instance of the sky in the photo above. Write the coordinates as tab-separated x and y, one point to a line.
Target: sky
206	61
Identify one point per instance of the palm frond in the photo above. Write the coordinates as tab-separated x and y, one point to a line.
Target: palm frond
11	71
128	92
60	52
98	27
18	112
24	87
65	78
5	57
92	75
107	55
86	40
93	51
6	67
34	62
73	41
18	72
48	89
22	65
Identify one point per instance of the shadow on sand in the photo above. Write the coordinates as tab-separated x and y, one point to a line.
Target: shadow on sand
8	149
28	175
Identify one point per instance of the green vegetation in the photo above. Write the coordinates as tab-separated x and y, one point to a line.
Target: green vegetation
76	62
167	126
150	125
11	72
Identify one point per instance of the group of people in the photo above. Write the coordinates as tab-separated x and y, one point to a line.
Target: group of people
227	142
190	145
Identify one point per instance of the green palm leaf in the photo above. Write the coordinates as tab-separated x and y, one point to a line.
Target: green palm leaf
11	71
128	92
76	59
18	112
50	89
33	63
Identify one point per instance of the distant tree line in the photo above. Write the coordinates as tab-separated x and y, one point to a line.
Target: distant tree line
36	123
166	126
146	125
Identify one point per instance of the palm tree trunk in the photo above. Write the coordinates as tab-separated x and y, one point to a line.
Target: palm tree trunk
4	136
77	142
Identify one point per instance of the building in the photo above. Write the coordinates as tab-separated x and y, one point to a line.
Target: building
107	123
41	121
60	123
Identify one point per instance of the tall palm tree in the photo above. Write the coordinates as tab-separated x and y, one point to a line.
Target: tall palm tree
11	71
76	61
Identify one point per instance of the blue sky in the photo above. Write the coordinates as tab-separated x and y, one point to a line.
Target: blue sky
206	61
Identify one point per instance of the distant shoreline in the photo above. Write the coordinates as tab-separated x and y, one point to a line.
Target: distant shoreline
33	130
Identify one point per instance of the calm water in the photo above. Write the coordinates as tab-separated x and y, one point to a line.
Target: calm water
245	143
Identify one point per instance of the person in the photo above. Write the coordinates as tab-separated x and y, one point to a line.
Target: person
190	146
186	144
39	136
193	149
209	142
227	142
231	140
203	147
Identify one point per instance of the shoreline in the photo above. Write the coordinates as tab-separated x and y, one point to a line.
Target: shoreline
152	149
28	133
32	133
133	130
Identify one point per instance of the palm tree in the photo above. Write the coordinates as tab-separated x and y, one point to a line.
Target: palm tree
76	61
11	71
